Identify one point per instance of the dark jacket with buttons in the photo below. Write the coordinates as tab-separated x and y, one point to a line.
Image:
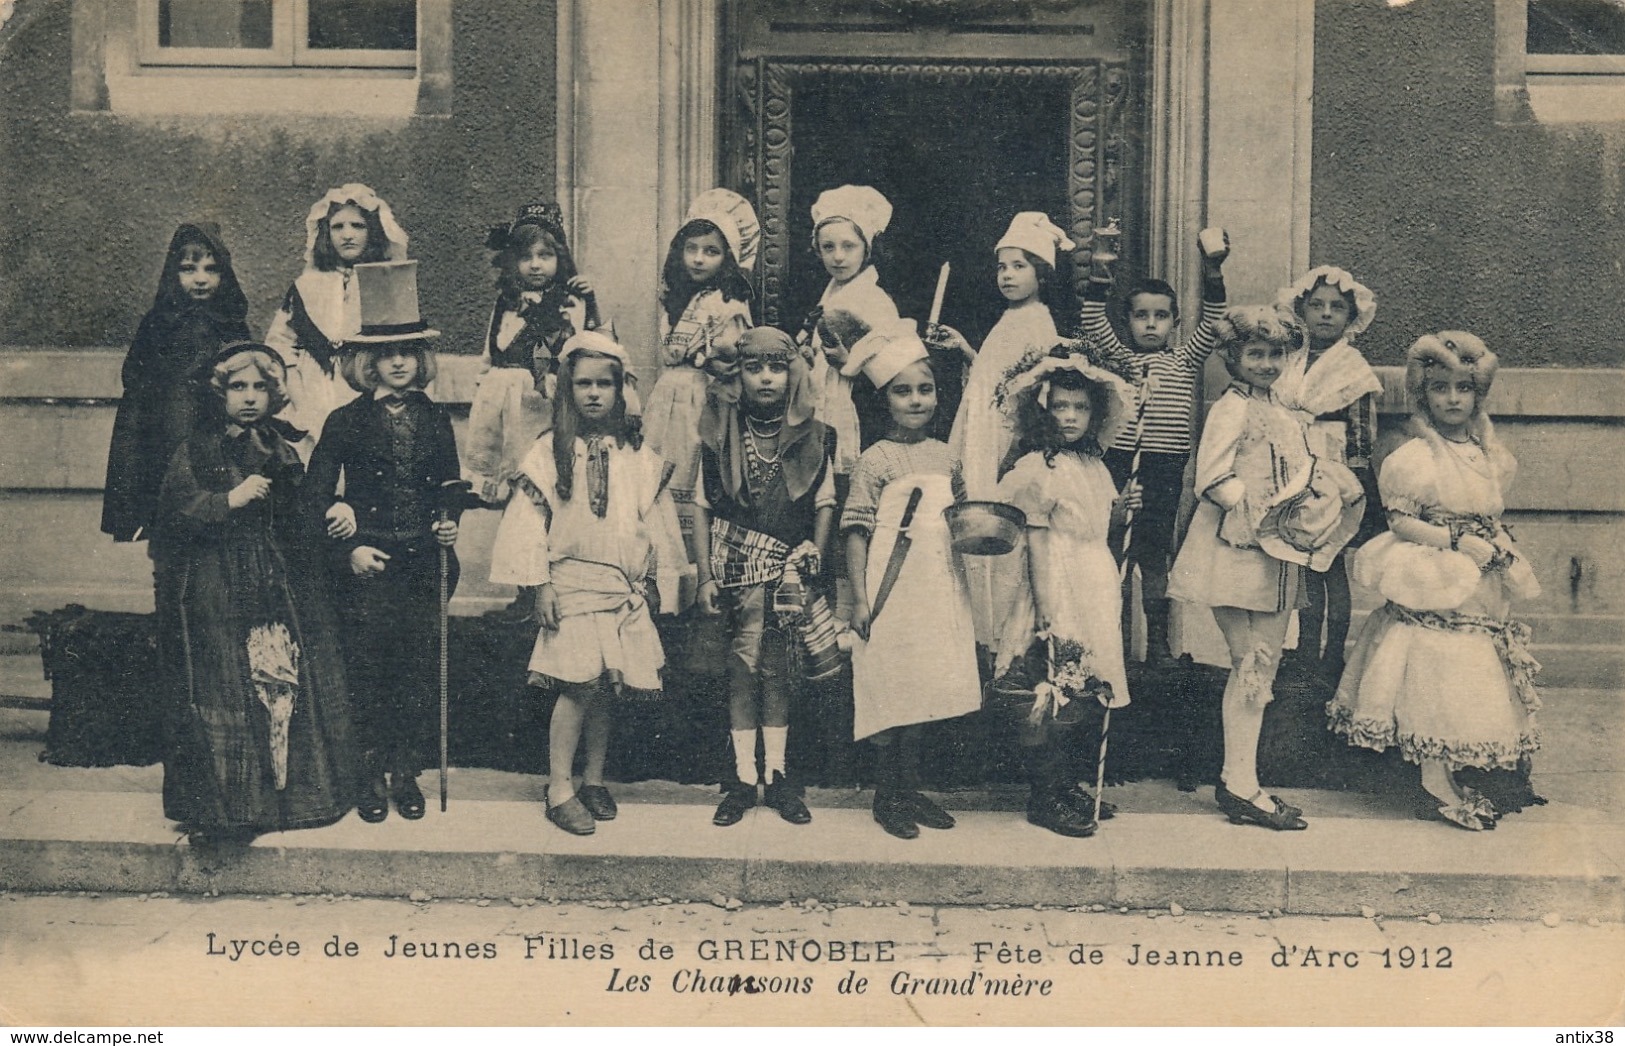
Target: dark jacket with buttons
395	468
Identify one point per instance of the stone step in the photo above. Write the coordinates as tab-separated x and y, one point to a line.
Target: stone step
1537	862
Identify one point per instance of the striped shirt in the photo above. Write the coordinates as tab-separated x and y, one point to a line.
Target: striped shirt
1173	373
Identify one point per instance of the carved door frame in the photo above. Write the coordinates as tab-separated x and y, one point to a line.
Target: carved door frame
1103	166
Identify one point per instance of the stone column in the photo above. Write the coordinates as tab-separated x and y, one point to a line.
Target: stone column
636	139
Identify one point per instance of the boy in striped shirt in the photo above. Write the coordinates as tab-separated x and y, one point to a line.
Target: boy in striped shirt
1168	377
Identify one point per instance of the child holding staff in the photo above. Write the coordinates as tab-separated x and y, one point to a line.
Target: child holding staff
918	663
1065	407
591	521
393	455
1167	374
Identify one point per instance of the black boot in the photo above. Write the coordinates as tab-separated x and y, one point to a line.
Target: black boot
1158	654
1048	804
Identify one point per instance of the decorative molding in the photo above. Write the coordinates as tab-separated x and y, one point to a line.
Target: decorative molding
770	106
1177	189
950	11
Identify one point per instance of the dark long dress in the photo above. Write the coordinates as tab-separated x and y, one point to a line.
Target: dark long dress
223	575
159	407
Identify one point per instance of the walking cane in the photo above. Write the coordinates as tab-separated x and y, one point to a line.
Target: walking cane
1122	576
454	495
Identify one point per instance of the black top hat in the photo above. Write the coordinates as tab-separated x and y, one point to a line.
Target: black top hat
388	295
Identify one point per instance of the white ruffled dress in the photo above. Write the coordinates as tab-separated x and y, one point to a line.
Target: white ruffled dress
1071	498
1441	670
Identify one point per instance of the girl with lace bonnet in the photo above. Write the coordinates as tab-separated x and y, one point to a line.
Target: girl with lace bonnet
349	225
705	306
1335	392
1267	509
1441	670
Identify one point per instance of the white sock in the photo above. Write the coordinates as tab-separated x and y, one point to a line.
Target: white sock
773	740
745	755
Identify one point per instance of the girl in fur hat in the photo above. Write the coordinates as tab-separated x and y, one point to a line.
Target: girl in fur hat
349	225
1441	670
1267	509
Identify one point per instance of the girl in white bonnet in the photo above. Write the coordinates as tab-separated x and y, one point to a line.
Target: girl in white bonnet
983	433
847	223
321	311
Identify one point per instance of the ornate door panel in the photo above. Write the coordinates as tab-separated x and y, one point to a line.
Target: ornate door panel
960	117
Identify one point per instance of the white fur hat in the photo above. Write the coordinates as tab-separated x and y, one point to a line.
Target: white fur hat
1033	232
862	205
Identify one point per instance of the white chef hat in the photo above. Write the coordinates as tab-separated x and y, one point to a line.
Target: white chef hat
862	205
734	217
885	351
1033	232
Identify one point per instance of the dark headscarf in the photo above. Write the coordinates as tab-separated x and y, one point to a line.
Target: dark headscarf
229	304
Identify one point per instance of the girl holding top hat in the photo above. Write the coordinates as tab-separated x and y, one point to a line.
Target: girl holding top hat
917	663
392	453
705	306
1267	509
590	525
258	732
1061	636
1441	670
983	434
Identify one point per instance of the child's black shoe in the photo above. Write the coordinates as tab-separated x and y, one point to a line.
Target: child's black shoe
598	801
571	815
926	813
736	799
408	797
1083	801
785	797
892	812
1049	809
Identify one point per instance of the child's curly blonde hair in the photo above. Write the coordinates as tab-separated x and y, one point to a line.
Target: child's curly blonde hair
241	355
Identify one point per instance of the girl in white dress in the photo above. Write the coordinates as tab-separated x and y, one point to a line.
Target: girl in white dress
589	523
1061	632
982	433
1441	670
917	663
1267	507
321	311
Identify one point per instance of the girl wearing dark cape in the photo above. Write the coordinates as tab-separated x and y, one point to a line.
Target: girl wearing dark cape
159	405
259	718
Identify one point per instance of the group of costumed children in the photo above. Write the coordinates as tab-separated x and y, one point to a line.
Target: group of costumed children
301	497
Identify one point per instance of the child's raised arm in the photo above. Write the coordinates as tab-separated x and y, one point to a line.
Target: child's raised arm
1215	247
